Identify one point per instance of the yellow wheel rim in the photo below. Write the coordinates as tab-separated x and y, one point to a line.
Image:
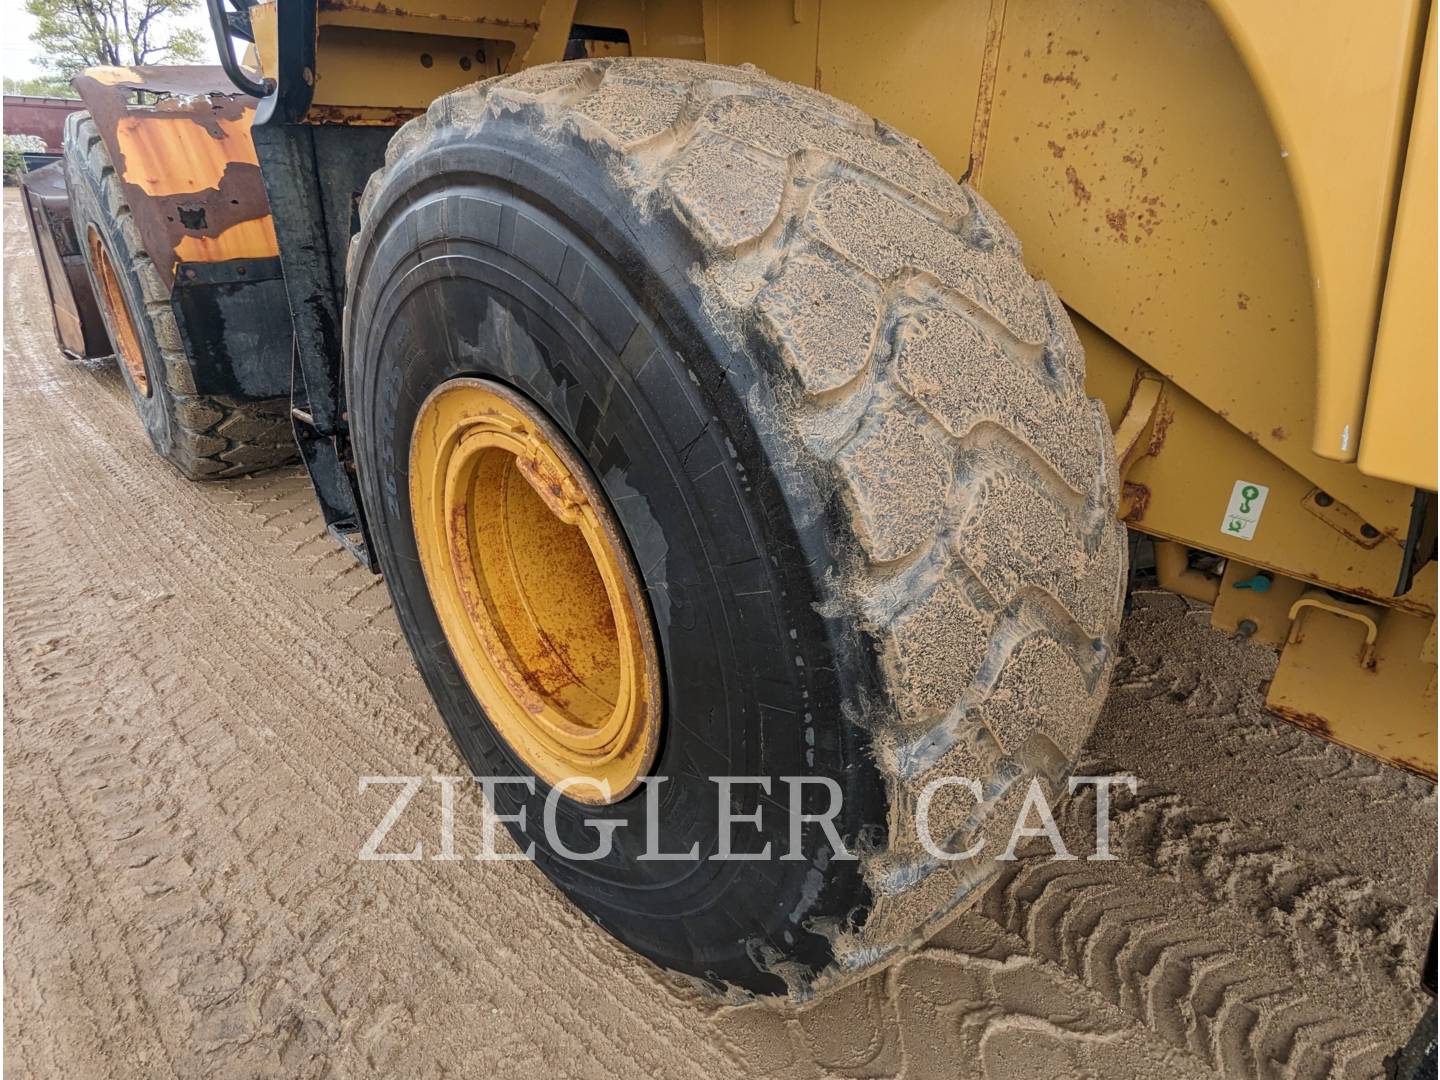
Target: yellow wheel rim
127	342
535	589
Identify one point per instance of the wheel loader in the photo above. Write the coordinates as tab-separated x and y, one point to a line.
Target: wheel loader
775	389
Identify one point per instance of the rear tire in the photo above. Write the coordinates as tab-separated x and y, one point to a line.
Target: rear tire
844	433
204	436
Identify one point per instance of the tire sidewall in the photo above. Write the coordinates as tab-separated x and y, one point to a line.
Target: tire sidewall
87	200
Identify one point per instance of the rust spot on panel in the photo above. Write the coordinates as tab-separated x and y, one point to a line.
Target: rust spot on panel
1087	133
1134	501
1319	726
1056	149
1066	77
360	115
403	13
1413	766
1242	300
1082	193
1164	417
1118	221
1279	434
1316	725
179	138
1147	218
1380	598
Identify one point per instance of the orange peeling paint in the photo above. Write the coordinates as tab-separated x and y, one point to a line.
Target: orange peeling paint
174	155
253	239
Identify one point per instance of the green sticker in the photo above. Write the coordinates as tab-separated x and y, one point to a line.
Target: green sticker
1242	516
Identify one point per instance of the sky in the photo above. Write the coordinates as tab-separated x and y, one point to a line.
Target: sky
19	55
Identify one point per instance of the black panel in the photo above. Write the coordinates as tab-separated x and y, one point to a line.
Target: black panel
232	320
314	176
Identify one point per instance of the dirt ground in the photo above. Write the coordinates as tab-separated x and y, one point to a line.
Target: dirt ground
196	678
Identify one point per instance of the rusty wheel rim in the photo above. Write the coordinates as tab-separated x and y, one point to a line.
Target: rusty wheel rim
535	589
127	341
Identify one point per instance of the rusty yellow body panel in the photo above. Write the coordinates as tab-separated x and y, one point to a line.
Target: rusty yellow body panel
1361	675
1169	219
253	239
169	155
1358	673
1213	187
1342	131
186	160
1179	488
342	95
1399	440
378	64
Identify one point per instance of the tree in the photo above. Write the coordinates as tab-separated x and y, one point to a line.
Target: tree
76	34
16	147
40	86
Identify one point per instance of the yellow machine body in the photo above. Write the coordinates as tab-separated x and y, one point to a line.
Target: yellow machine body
1235	200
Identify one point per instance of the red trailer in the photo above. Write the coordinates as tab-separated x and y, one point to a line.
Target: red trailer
42	116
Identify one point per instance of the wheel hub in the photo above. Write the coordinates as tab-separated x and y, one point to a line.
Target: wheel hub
127	341
535	589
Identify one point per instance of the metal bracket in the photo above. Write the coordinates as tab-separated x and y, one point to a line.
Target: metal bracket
1141	433
1342	519
221	26
1174	573
1361	613
332	474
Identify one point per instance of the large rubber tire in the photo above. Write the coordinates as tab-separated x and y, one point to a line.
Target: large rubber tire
847	439
204	436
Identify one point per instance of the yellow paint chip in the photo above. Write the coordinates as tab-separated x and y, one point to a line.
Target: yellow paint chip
174	155
254	239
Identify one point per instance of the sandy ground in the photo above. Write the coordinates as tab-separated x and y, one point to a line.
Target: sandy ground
196	678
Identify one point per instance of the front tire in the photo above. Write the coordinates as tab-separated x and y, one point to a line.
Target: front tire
845	437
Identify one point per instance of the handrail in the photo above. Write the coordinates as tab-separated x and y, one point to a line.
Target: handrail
220	27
